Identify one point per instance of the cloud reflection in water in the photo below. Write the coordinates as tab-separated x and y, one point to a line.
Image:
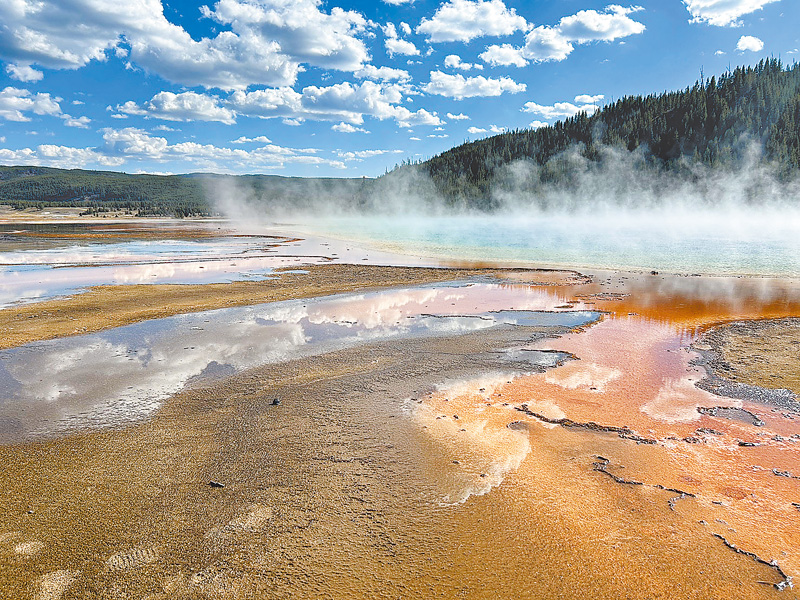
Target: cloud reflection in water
124	374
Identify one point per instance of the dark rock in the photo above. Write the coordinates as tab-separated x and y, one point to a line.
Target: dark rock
786	579
788	474
731	412
216	484
708	430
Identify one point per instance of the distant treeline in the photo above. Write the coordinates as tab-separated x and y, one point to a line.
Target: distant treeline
716	123
99	191
156	195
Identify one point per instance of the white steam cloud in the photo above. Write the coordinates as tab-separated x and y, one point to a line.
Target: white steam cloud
613	181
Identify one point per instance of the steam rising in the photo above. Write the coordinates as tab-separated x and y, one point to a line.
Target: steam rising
617	203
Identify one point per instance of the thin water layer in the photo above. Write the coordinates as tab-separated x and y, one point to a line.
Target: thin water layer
23	284
630	385
39	261
124	374
42	261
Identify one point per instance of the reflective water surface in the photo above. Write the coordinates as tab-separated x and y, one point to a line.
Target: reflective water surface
42	261
124	374
607	475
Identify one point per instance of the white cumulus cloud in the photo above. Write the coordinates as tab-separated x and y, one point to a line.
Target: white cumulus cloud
186	106
262	139
394	45
15	102
588	98
82	122
453	61
398	46
546	43
347	128
24	73
264	42
558	110
464	20
504	54
591	25
459	87
722	13
345	102
749	43
493	129
362	154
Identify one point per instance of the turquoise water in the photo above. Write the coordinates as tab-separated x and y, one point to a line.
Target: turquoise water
757	242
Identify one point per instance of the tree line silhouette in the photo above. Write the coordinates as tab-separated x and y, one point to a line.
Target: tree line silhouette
717	122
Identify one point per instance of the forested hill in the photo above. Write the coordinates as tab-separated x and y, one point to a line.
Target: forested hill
178	195
39	187
716	122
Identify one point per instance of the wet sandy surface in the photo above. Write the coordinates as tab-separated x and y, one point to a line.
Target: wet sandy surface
762	353
123	375
103	308
519	460
341	492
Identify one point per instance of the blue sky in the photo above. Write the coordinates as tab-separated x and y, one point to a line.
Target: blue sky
335	88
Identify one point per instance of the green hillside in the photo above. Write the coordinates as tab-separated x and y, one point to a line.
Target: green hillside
39	187
719	124
716	123
180	195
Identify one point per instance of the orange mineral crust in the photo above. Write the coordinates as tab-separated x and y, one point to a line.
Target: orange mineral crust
627	407
489	437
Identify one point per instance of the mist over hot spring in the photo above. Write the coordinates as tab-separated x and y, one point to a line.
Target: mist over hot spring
619	211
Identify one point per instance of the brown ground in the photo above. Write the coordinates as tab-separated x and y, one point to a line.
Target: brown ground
116	229
765	353
106	307
335	493
64	213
